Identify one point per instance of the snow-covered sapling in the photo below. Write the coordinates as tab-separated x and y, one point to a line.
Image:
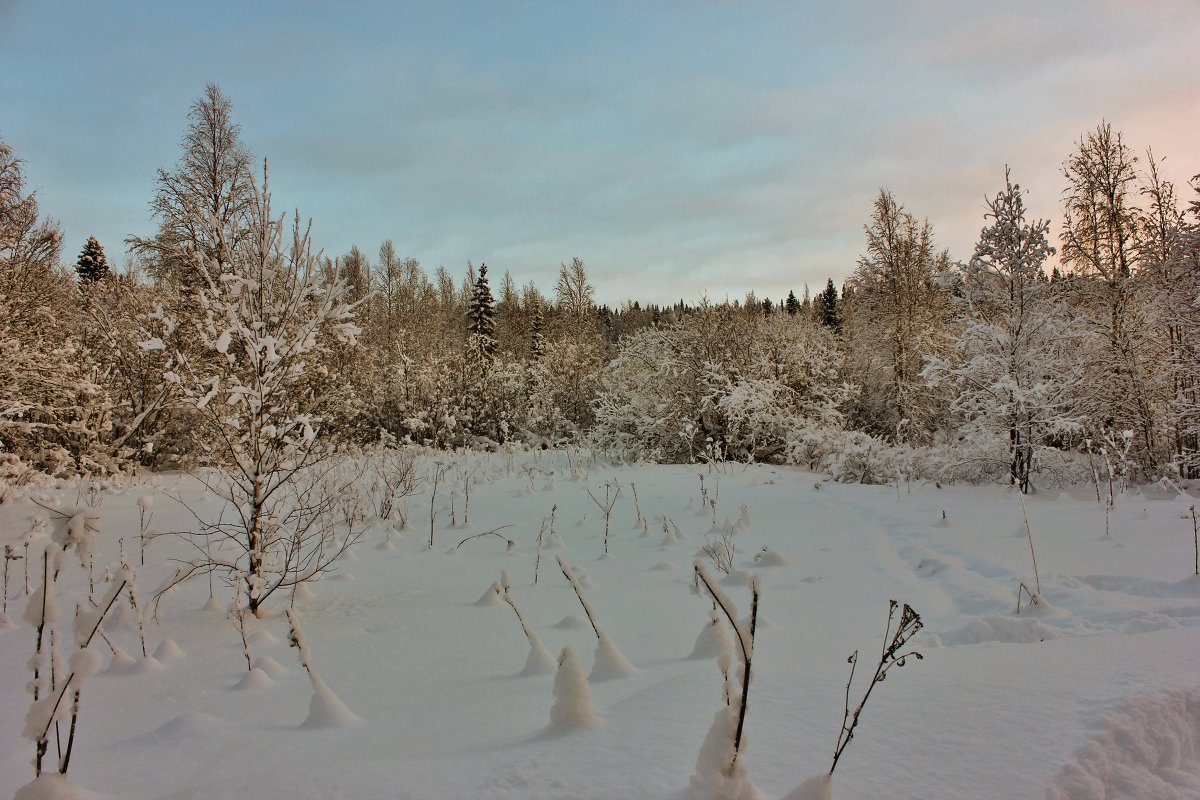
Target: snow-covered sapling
744	634
612	490
509	544
540	660
893	654
609	661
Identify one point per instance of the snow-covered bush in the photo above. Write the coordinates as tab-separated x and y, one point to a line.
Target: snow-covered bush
719	382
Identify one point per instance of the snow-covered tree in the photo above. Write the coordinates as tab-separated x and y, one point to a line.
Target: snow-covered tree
898	320
205	200
573	293
481	322
1099	242
1183	301
1014	373
265	314
92	265
53	413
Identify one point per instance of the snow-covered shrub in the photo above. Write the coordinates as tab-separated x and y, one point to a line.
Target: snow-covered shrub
719	384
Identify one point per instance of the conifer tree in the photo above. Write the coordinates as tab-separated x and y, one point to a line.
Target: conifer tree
481	323
92	264
826	305
537	337
792	305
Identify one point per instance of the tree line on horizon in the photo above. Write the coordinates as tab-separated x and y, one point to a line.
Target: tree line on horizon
995	368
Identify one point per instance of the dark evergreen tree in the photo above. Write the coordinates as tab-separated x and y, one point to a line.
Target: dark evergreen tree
792	305
92	264
481	323
825	305
767	307
537	338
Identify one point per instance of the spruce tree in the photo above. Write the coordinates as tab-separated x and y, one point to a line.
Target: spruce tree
92	264
537	339
826	306
792	304
481	323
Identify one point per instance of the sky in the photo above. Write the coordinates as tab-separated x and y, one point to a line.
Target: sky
680	149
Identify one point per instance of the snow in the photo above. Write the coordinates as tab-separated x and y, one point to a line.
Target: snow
1092	693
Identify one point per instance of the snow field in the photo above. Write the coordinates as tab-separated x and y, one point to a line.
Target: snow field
1091	691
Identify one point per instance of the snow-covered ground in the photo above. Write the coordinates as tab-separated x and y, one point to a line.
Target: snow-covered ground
1093	693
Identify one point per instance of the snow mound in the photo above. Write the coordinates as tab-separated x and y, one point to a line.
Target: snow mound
213	605
769	558
51	786
663	566
713	778
254	679
491	597
572	709
540	661
818	787
168	651
261	639
609	663
183	730
1150	747
1013	630
714	640
571	622
270	666
325	710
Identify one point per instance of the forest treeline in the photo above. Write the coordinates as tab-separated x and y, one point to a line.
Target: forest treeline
227	325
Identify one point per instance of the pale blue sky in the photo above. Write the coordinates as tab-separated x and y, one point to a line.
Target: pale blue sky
676	147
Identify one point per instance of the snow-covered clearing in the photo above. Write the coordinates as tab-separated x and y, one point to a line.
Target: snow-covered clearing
1092	693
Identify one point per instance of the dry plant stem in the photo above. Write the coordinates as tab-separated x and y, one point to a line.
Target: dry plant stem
9	555
509	543
637	506
41	740
570	576
747	649
537	561
890	656
1029	535
1033	599
439	471
1195	538
610	500
520	618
